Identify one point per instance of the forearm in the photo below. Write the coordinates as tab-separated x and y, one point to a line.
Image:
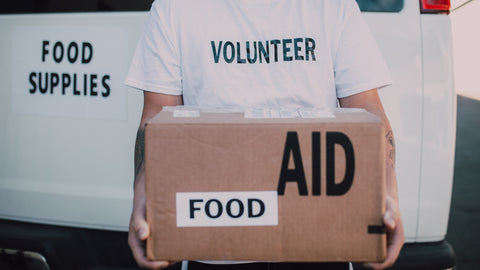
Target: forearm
140	154
139	180
139	229
390	162
390	153
370	101
153	104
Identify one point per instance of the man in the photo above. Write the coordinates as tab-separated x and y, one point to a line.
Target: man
261	53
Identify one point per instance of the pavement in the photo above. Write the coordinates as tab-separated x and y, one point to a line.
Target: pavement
464	223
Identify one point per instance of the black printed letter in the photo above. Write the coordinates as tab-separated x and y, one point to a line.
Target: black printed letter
216	53
86	59
316	163
310	49
341	188
250	208
232	50
292	175
32	82
193	208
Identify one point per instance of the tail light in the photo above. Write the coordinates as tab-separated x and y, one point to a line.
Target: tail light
435	6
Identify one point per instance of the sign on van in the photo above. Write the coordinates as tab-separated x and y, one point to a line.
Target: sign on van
223	186
69	71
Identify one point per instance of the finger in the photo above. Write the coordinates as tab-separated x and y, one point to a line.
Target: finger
137	247
140	227
154	264
395	237
138	250
143	232
395	242
392	215
389	220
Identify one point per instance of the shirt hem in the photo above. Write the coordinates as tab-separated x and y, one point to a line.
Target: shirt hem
362	88
152	88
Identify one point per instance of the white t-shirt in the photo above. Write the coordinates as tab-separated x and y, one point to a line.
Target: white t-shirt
261	53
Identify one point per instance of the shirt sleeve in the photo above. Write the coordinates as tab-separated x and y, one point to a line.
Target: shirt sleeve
155	66
359	65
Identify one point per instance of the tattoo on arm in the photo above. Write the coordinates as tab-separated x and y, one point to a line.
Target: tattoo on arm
390	148
139	150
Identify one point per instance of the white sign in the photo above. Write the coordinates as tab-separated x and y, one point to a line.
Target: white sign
74	71
220	209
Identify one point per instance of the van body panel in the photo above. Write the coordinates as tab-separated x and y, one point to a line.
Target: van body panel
78	171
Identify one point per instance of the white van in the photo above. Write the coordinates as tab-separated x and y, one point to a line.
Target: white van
68	126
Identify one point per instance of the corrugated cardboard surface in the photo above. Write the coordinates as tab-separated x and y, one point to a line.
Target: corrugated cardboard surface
226	152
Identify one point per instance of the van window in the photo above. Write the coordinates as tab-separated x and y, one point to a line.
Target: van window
380	5
53	6
56	6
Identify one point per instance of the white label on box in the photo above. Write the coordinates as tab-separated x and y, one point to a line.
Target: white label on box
263	113
222	209
316	113
186	113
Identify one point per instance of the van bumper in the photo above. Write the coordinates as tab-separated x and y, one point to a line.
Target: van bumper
424	256
77	248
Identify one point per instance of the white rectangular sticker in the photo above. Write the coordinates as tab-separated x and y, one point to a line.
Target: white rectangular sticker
222	209
186	113
303	113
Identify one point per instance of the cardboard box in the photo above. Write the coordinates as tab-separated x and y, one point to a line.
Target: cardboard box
221	186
